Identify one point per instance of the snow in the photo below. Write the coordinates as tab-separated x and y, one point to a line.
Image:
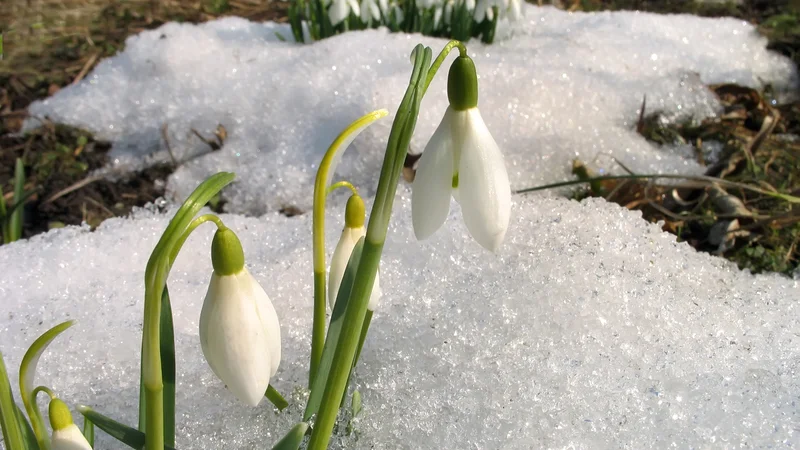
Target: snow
590	329
559	86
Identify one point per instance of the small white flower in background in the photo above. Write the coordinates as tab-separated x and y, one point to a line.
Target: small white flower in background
66	435
483	10
397	13
370	11
470	4
352	232
462	160
514	10
239	330
340	9
448	11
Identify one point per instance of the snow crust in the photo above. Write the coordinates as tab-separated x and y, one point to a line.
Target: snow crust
590	329
559	86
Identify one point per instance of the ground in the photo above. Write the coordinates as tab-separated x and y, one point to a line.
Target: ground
51	44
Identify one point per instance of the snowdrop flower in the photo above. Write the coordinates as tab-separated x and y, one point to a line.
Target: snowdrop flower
483	10
514	10
66	435
239	330
448	11
462	160
352	232
370	11
340	9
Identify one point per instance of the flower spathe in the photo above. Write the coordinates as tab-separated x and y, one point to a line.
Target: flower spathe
66	435
239	330
462	160
352	232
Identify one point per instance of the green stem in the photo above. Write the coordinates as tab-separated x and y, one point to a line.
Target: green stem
156	274
462	51
785	197
346	348
342	184
276	398
355	312
318	240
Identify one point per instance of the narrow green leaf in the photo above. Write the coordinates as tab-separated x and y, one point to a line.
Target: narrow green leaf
88	431
3	217
276	398
9	420
27	432
293	439
129	436
356	403
15	224
334	331
27	374
167	344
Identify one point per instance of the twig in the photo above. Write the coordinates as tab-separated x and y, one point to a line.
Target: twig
640	123
86	67
169	147
707	179
74	187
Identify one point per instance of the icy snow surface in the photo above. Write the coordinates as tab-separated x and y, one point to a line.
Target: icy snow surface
591	329
565	85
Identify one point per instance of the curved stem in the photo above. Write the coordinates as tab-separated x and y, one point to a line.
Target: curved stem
151	408
462	51
44	389
356	309
318	244
341	184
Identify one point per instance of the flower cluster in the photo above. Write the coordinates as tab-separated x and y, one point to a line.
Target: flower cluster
456	19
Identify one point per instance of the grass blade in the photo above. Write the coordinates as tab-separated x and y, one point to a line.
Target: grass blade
129	436
9	420
293	438
334	331
15	221
27	373
88	431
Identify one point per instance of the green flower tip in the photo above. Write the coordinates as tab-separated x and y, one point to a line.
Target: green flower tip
60	416
462	84
354	212
227	255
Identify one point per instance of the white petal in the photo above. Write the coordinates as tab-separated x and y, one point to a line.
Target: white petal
483	182
234	340
480	10
430	195
398	14
384	4
268	316
365	11
437	16
470	5
354	6
514	10
341	255
338	11
448	12
69	438
376	13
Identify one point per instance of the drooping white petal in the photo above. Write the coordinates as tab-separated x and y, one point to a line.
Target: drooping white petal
370	11
69	438
354	7
338	11
267	315
341	255
480	10
483	181
430	195
448	12
234	335
437	16
470	5
490	13
398	14
384	5
514	10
